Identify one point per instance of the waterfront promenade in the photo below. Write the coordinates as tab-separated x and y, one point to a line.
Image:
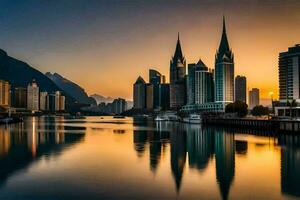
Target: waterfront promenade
282	125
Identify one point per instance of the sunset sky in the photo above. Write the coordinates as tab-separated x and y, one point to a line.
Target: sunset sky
104	45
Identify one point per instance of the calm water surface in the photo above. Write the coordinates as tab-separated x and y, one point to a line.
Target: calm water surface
94	158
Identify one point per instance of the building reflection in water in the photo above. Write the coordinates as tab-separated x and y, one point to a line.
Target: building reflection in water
23	143
140	141
40	130
156	140
200	144
290	162
225	160
241	147
4	141
178	152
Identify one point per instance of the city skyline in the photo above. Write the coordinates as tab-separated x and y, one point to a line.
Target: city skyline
111	50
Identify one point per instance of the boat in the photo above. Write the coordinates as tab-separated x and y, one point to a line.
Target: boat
172	116
167	116
193	119
160	118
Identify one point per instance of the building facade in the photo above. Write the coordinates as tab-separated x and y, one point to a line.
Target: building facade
20	97
164	96
57	100
139	94
118	106
204	84
224	71
200	84
190	84
253	98
289	74
155	78
289	83
177	78
4	94
33	96
43	101
150	96
240	89
51	98
62	103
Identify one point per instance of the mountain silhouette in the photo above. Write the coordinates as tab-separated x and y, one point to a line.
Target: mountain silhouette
71	88
20	74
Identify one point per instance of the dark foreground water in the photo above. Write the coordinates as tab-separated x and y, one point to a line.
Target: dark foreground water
94	158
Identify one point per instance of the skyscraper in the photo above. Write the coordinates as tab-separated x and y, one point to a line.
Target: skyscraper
57	100
164	96
51	102
4	93
118	106
177	78
289	82
33	96
155	78
240	89
224	70
62	103
190	84
289	74
149	96
139	94
20	97
43	101
200	84
253	98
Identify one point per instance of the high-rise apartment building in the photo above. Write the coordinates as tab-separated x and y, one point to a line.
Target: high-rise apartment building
118	106
289	74
139	94
51	100
240	89
4	93
164	96
155	79
20	97
289	83
33	96
62	103
43	101
57	100
200	84
150	96
253	98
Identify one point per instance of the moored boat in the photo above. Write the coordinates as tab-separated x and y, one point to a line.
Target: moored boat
193	119
160	118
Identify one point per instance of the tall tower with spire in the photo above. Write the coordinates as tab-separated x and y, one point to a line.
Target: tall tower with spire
177	78
177	64
224	70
